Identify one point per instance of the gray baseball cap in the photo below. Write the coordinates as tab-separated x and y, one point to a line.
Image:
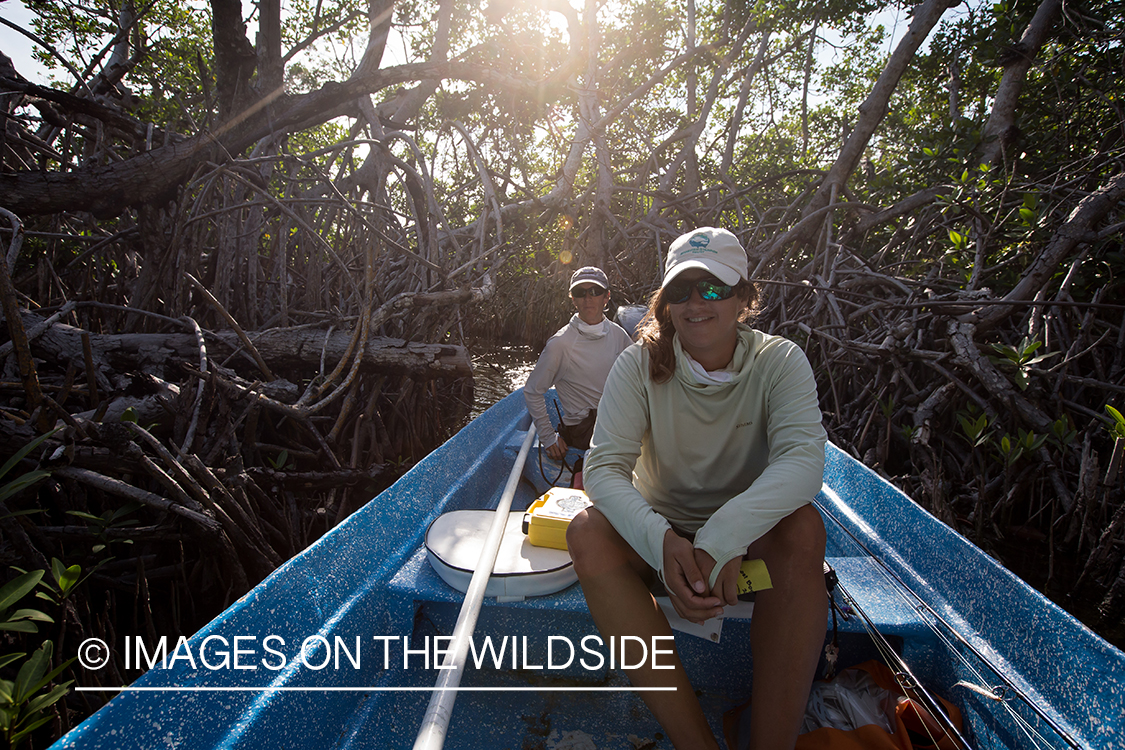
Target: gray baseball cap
589	275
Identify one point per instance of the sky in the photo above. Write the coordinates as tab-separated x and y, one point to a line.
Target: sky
17	46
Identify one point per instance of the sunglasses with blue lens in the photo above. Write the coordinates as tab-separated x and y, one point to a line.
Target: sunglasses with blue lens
582	291
679	292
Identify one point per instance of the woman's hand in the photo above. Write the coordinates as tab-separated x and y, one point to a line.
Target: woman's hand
685	582
726	584
558	450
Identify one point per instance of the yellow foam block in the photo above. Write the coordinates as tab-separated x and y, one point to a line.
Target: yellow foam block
753	576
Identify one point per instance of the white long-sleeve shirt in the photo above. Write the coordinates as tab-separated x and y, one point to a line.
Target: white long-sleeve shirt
576	361
723	461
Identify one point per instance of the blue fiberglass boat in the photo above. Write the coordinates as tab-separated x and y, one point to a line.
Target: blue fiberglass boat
336	649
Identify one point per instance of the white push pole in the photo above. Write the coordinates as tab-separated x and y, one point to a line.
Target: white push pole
431	736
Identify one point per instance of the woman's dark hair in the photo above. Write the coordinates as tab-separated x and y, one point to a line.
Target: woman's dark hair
655	330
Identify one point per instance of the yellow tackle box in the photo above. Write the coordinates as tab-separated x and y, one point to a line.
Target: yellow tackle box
546	521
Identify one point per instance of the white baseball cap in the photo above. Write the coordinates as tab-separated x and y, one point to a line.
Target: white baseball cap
715	250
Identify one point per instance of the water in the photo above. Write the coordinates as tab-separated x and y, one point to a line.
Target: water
497	371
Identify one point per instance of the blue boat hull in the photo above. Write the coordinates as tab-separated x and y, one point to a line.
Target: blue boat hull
366	604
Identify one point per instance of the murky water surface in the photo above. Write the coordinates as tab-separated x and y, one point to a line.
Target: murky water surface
497	371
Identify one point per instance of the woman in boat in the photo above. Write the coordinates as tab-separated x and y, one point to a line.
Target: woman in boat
576	361
708	449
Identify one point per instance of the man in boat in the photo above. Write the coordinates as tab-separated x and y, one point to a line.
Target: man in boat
576	361
708	449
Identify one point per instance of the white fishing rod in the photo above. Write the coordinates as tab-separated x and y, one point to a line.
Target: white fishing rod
431	735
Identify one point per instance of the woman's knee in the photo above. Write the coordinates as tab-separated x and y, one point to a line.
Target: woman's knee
810	528
581	537
593	543
799	536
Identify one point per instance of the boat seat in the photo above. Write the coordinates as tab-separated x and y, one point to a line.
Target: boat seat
418	594
417	581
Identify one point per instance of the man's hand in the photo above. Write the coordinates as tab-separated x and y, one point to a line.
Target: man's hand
558	450
685	582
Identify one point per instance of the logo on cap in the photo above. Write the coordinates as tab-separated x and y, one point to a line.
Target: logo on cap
698	244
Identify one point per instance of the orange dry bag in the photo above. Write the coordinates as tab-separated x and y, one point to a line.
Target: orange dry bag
897	721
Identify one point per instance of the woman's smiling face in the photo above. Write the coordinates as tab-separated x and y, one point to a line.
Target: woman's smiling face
708	330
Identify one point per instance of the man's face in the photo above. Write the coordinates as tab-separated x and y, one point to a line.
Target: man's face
590	300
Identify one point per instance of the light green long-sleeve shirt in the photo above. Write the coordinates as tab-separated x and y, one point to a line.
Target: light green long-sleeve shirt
726	462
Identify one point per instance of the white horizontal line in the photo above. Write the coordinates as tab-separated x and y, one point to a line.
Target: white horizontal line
559	689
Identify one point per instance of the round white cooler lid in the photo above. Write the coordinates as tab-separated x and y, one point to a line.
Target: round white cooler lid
454	542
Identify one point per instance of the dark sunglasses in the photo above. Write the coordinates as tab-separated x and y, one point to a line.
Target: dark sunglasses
679	292
583	291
